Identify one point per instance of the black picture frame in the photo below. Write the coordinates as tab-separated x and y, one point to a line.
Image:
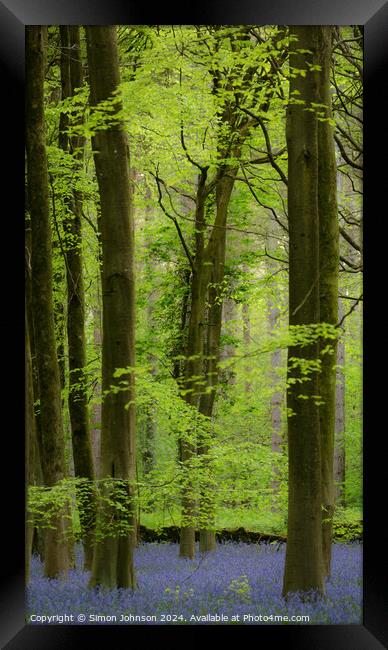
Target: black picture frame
14	15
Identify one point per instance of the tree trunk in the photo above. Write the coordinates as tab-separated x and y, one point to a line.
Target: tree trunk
273	314
328	287
35	470
113	557
304	563
193	370
275	403
229	315
30	444
215	259
96	407
148	456
246	325
339	449
71	78
53	461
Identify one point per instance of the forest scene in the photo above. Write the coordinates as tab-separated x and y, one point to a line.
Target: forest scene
193	324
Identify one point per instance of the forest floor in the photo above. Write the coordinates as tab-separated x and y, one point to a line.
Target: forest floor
243	581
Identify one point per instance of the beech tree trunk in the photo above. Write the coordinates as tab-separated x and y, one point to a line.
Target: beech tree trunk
71	78
193	368
215	260
53	461
304	562
113	556
328	287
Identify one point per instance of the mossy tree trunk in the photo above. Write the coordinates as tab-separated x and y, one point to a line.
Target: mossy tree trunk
304	562
53	461
328	286
113	557
71	78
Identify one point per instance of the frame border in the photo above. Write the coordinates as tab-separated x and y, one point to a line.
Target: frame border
14	15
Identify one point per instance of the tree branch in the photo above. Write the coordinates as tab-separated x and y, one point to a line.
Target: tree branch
353	307
177	226
349	239
345	156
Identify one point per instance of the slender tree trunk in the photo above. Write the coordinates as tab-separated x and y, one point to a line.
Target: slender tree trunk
328	287
246	325
304	562
193	371
113	557
96	408
35	471
275	402
30	444
339	449
273	313
215	257
229	315
71	78
207	535
53	461
151	414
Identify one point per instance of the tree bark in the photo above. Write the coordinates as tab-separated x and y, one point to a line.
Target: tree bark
193	370
148	455
96	407
246	326
273	315
71	78
215	260
30	446
328	287
35	470
53	461
275	403
113	557
304	563
229	316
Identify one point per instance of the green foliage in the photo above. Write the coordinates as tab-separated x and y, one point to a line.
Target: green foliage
183	80
239	590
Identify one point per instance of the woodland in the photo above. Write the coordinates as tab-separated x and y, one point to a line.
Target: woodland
193	323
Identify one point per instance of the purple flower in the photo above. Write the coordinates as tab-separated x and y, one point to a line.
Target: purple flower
237	580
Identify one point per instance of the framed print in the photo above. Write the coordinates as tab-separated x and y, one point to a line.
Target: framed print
198	450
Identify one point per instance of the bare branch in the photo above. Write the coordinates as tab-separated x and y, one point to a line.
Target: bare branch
345	156
353	307
267	207
174	219
349	239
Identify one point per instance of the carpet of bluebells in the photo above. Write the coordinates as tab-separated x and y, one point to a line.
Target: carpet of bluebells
237	579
